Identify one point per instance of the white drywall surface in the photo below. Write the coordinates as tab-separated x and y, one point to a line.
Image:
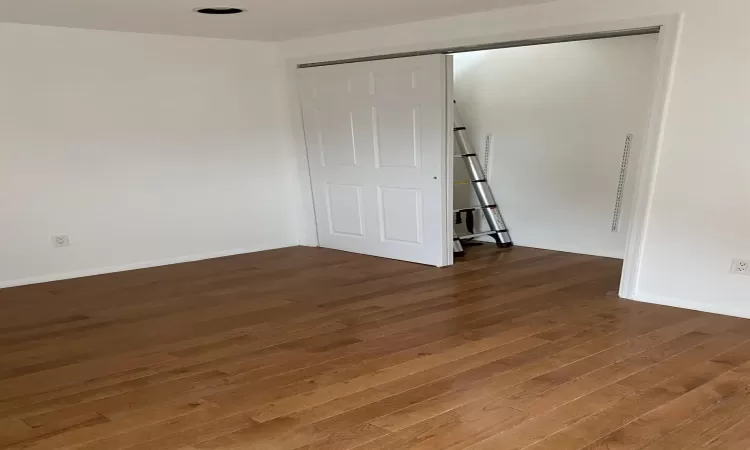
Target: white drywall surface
144	149
699	215
558	115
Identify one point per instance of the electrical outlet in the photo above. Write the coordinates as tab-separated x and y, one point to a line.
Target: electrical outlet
740	267
62	240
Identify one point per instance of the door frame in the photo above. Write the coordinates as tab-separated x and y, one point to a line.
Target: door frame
668	26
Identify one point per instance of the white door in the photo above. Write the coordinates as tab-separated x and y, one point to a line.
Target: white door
376	142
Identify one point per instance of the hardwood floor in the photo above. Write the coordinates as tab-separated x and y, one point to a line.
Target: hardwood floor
306	348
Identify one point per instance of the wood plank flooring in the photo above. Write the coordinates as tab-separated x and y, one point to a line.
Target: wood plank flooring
306	348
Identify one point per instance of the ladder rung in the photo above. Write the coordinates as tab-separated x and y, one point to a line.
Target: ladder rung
483	233
458	183
465	156
474	208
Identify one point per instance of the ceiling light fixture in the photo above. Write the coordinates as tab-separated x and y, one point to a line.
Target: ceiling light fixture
219	10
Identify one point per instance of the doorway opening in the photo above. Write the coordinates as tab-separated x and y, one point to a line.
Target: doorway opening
633	209
559	130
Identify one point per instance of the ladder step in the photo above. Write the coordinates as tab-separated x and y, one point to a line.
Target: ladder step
483	233
474	208
458	183
465	156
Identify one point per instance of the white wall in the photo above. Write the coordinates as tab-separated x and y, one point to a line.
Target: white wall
699	215
144	149
558	114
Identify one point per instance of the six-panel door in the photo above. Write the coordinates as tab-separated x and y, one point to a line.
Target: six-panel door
375	134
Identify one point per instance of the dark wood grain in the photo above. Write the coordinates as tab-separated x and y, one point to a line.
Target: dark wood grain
306	348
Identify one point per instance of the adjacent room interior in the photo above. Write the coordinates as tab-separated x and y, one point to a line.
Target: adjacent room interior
558	130
235	226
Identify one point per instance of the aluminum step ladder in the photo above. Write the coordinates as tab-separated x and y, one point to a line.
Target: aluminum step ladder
498	231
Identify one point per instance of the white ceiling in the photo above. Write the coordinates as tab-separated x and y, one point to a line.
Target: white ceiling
265	20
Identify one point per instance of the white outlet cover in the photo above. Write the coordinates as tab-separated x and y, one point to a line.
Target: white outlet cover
62	240
741	267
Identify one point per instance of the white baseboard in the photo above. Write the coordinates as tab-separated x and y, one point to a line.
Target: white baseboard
132	266
577	251
695	306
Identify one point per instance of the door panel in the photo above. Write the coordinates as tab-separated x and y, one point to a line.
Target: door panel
344	203
336	136
375	134
396	135
400	215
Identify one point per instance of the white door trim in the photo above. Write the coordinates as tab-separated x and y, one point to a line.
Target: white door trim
447	181
670	27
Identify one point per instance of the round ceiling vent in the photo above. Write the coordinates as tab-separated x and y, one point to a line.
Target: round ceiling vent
219	10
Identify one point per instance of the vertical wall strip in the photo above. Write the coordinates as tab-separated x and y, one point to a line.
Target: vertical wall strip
487	151
621	183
